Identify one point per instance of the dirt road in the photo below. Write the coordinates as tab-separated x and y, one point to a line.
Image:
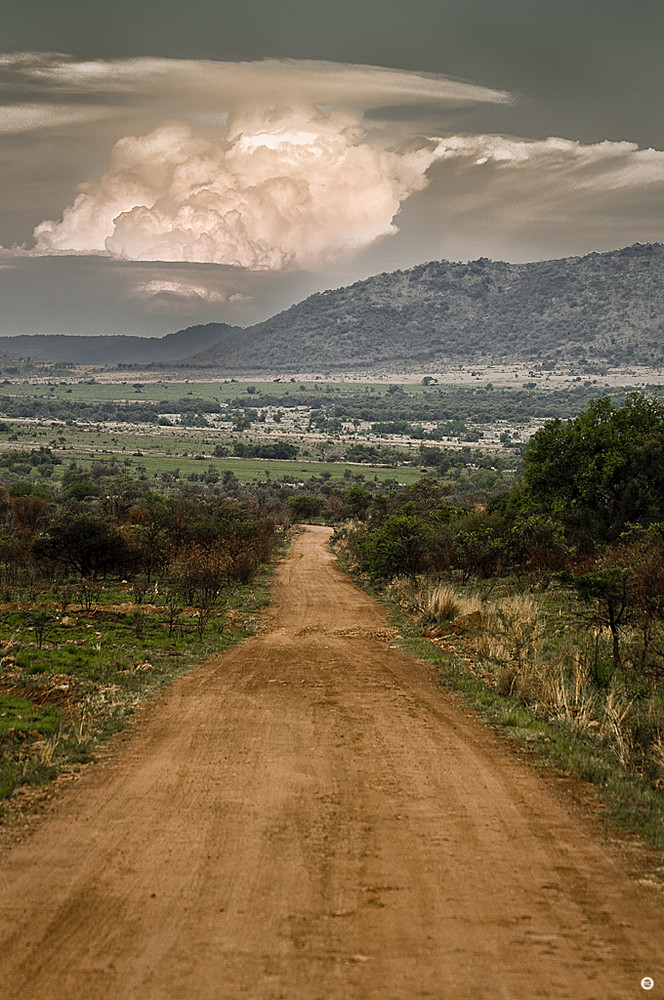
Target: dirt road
310	817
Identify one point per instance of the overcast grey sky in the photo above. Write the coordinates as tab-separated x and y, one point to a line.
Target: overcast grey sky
166	164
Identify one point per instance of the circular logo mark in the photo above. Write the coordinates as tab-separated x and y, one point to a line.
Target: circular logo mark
647	983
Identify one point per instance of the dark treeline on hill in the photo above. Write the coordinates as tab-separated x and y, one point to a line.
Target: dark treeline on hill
607	306
108	350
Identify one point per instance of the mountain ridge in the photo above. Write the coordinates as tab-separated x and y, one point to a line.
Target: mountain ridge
598	308
607	306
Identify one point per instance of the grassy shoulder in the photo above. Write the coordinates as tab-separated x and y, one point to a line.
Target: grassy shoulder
554	714
626	798
73	673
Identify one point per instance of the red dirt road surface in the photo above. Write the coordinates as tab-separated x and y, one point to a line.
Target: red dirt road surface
309	816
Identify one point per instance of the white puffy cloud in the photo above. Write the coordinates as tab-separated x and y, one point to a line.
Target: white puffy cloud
296	187
606	165
522	182
183	297
285	186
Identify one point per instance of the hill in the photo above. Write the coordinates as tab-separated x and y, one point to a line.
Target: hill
606	308
601	307
116	350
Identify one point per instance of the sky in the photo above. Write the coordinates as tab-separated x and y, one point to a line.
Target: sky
168	164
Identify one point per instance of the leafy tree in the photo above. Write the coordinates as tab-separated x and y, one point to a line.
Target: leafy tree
86	542
200	576
147	530
534	539
358	499
304	507
29	515
601	470
608	586
401	546
82	489
478	544
26	488
425	496
642	555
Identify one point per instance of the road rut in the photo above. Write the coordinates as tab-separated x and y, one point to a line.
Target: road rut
309	816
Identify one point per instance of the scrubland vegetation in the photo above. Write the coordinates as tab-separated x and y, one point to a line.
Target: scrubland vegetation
107	591
550	594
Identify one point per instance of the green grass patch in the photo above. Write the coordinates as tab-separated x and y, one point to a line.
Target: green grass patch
23	727
246	470
99	664
21	715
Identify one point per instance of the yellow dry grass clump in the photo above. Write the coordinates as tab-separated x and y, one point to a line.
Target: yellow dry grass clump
432	601
509	651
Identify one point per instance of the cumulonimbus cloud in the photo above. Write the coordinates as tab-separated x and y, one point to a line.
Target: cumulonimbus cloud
262	165
299	187
285	186
278	165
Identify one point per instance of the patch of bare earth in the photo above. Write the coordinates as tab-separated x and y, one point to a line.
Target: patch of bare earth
310	817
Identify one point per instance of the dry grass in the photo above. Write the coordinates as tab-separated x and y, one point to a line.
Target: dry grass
518	653
615	729
432	601
657	757
510	645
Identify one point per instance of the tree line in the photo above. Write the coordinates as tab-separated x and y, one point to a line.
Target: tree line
193	544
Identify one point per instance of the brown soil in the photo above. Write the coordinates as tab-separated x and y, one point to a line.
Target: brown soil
309	816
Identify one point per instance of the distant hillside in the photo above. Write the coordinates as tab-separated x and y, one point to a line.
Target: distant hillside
607	306
116	350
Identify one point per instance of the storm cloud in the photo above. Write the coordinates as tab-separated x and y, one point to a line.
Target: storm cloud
286	187
297	187
215	176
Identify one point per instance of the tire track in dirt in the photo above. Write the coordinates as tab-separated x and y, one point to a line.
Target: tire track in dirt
309	816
